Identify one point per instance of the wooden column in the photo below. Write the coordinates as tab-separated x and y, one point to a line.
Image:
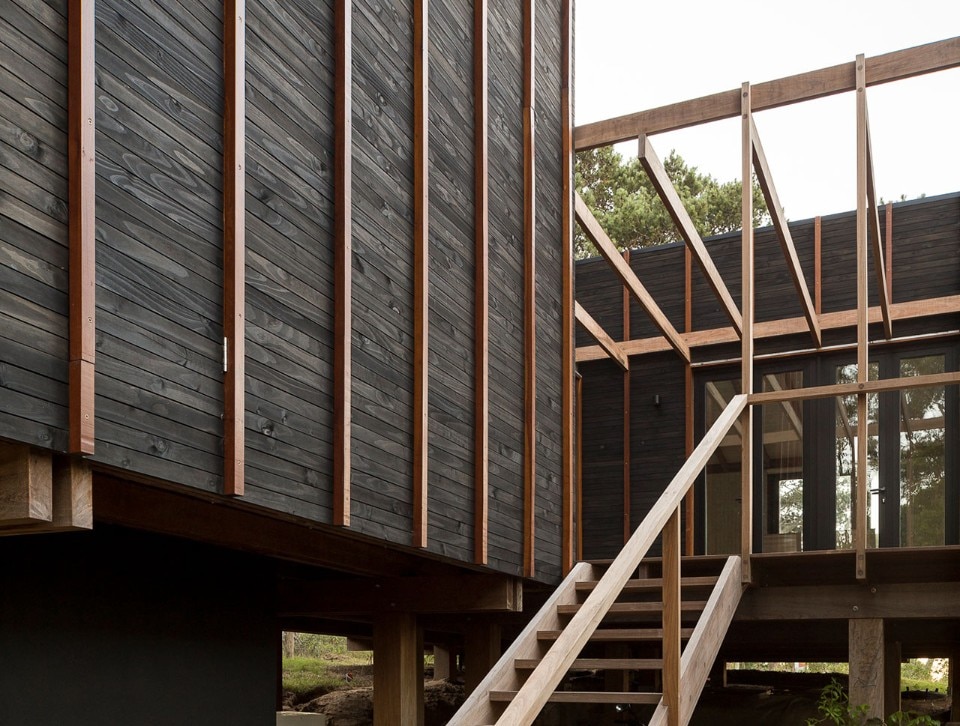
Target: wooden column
529	290
688	502
397	670
481	652
81	174
342	260
568	341
481	422
579	467
234	245
866	665
442	659
953	666
891	676
26	489
421	269
746	347
627	530
860	519
671	618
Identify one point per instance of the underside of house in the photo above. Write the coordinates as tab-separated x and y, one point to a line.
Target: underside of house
292	339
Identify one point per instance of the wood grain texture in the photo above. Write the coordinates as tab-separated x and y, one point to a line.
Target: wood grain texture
860	508
746	338
817	265
234	245
806	86
530	289
873	227
26	485
568	369
626	413
672	686
81	160
602	337
398	693
343	261
421	269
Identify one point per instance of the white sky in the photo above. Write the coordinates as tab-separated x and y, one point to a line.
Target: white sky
633	55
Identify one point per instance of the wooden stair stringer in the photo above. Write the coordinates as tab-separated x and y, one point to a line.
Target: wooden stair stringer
702	648
478	708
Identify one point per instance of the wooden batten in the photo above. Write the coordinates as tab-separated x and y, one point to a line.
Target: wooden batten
888	253
530	289
671	618
579	467
746	338
26	485
591	227
568	340
873	225
601	336
421	269
817	265
343	260
234	246
860	518
884	68
481	422
81	174
626	412
765	178
681	218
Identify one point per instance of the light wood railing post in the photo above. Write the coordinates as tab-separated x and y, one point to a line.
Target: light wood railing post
863	361
671	618
746	340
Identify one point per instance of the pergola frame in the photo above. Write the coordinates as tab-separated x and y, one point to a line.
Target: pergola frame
856	77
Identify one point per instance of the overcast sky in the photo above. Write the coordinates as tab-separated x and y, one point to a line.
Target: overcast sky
632	55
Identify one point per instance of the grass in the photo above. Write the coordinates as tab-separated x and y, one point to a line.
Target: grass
308	677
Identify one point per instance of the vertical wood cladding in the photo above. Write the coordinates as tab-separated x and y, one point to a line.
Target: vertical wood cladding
159	134
925	264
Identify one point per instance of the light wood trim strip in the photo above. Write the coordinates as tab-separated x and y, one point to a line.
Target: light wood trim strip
481	423
853	389
671	618
605	246
689	501
568	368
421	269
765	178
234	244
529	289
579	467
626	411
895	66
911	310
343	261
544	679
746	339
81	164
860	518
888	257
876	241
681	218
601	336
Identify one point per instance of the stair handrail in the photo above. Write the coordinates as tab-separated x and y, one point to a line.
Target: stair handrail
542	682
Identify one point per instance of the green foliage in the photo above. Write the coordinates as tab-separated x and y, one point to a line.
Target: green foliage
628	208
834	707
309	677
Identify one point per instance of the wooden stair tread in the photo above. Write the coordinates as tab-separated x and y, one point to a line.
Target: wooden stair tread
586	697
619	634
651	583
622	664
636	607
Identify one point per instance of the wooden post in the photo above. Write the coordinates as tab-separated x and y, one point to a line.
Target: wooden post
568	369
688	444
529	290
891	677
626	414
421	269
343	260
81	165
234	245
579	466
953	665
746	340
817	265
442	659
481	304
397	670
888	253
866	665
863	366
671	618
481	652
26	485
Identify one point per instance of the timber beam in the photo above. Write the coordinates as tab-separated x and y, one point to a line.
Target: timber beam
427	594
42	493
895	66
601	336
681	218
608	250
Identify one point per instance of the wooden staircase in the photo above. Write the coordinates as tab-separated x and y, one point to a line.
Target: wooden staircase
629	615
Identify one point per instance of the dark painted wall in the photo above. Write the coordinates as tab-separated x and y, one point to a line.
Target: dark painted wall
114	626
925	265
159	117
